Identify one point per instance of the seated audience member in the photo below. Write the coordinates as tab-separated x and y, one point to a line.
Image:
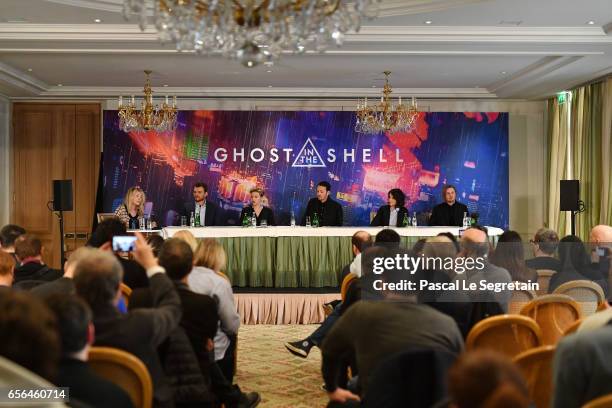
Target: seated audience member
394	213
486	379
28	334
76	332
156	242
361	240
510	255
132	208
140	332
31	267
417	248
387	236
601	238
452	238
386	322
134	274
65	284
206	278
257	207
575	265
475	246
185	235
544	244
8	234
199	321
581	368
7	267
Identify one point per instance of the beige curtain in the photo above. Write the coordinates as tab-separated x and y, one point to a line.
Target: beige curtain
605	215
558	133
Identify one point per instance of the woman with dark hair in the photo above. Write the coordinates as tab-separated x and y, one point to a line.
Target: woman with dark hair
575	265
394	212
510	255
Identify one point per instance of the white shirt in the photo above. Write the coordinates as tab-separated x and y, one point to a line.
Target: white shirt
202	210
355	266
206	282
393	217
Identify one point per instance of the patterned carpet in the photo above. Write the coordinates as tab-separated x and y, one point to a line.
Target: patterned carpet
283	380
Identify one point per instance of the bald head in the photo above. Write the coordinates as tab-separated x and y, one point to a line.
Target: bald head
474	243
601	234
361	240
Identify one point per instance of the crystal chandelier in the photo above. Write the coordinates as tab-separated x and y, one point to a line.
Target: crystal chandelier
150	116
252	30
385	116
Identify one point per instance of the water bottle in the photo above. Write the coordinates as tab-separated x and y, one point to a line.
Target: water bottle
192	220
292	219
197	219
405	222
246	221
315	220
466	221
253	220
414	220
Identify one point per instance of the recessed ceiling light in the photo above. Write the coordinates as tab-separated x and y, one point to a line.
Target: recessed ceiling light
373	86
269	86
269	71
590	22
97	20
503	72
29	69
60	84
428	22
165	85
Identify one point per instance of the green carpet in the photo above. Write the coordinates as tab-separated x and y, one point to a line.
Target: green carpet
265	365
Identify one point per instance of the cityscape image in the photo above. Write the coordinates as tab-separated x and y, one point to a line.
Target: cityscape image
287	153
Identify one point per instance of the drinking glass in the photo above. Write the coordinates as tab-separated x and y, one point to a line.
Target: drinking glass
183	221
141	223
308	221
263	223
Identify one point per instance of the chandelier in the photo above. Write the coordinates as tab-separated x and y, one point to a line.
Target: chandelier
385	116
149	116
252	30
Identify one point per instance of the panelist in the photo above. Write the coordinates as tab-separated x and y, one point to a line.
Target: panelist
450	212
132	208
262	213
394	212
209	212
328	211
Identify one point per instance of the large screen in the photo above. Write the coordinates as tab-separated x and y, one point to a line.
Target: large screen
288	152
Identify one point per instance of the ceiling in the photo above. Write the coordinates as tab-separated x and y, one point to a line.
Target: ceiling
520	49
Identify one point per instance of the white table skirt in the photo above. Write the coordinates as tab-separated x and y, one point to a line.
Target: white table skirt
298	231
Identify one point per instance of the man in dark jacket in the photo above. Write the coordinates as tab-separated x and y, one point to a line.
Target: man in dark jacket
328	211
450	212
77	335
31	267
139	332
209	212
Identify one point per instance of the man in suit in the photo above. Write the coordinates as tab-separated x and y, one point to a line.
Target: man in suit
544	244
450	212
139	332
210	213
76	332
328	211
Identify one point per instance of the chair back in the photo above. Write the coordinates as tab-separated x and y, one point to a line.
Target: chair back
573	328
346	283
587	293
554	314
506	334
126	291
544	276
601	402
520	298
536	366
104	216
126	371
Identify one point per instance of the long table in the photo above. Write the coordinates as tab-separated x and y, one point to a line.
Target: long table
292	257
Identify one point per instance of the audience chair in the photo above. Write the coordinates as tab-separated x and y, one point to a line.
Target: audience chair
506	334
587	293
126	371
601	402
346	282
105	216
126	292
544	276
573	328
519	299
537	368
554	314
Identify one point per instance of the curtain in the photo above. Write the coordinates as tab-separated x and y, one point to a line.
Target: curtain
605	215
558	132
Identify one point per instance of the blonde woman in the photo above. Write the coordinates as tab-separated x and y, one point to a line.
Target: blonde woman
132	208
206	278
188	237
257	207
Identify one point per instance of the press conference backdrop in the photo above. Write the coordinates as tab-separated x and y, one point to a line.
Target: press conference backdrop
288	153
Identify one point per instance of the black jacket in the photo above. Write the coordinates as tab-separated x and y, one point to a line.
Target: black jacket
213	213
87	387
140	332
134	274
265	214
329	213
448	215
35	271
384	213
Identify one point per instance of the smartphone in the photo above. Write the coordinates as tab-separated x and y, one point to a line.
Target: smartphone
602	252
461	231
123	243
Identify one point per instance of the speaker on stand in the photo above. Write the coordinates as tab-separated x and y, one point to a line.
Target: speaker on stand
569	200
62	201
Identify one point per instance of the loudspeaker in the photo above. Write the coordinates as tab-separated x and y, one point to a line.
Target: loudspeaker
569	195
62	195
